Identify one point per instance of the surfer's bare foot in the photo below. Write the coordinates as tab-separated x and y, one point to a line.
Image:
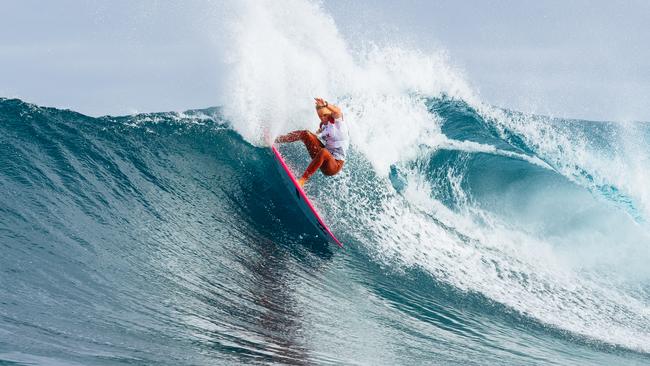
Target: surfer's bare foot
302	181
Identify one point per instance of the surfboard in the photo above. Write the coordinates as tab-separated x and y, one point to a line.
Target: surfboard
302	200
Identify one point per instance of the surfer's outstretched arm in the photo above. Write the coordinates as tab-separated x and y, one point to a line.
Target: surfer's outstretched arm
336	111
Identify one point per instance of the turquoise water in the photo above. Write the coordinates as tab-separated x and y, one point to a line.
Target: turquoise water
169	239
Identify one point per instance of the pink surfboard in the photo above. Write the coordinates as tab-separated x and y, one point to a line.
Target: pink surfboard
303	201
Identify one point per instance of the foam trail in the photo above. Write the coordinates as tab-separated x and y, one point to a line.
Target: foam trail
470	146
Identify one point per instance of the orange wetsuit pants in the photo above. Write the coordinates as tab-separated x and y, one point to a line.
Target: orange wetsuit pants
321	157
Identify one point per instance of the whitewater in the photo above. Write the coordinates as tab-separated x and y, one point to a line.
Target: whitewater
473	234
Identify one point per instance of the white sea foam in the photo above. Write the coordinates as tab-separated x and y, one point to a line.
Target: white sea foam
284	53
281	58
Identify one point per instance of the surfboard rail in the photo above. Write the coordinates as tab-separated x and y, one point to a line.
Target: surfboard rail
303	201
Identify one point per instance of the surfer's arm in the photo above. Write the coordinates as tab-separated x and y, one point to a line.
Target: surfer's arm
336	111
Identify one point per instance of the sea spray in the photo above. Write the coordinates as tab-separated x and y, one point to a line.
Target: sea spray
281	59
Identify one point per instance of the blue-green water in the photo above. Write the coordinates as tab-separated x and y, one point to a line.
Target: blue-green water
168	239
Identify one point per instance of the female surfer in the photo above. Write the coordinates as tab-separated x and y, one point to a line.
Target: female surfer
328	146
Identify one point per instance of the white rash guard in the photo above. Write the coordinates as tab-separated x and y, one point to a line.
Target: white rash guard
336	138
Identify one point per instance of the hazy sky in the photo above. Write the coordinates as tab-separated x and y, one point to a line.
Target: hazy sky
583	59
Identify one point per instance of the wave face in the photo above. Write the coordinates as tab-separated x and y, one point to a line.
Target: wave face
169	239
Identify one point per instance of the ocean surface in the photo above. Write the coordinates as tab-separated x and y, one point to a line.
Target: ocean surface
473	234
170	239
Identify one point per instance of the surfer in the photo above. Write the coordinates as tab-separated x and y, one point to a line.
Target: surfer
328	146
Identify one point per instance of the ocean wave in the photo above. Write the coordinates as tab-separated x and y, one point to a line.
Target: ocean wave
142	237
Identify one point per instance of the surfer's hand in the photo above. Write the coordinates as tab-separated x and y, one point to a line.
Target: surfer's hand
319	102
